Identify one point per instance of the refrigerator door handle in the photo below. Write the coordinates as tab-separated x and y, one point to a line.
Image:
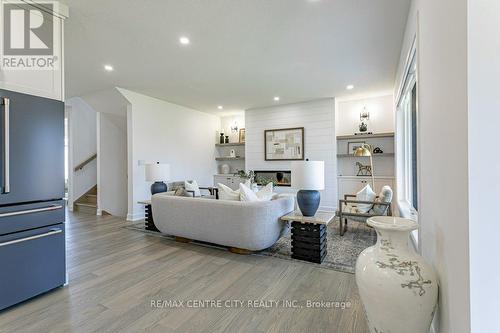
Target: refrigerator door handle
31	211
6	145
50	233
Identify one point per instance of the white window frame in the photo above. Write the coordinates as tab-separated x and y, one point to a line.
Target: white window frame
404	141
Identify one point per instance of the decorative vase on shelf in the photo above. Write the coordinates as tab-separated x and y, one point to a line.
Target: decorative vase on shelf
224	168
363	127
397	287
221	138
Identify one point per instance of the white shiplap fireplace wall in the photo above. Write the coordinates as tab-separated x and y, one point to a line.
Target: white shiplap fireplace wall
318	119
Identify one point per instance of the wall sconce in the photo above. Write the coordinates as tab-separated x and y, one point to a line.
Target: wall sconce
234	128
365	115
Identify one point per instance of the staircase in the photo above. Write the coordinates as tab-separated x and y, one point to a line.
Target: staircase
87	203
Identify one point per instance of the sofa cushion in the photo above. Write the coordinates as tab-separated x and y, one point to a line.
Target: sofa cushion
366	194
226	193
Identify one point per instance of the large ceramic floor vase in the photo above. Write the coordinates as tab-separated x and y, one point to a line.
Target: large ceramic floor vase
397	287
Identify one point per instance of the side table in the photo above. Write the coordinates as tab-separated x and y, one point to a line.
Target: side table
150	224
309	241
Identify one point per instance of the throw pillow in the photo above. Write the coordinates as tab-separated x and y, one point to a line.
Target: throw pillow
366	194
181	192
384	196
265	193
192	186
247	194
226	193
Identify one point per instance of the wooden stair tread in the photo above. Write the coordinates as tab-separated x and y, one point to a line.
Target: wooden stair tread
86	204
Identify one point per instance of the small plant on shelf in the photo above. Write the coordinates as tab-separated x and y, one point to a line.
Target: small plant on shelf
250	175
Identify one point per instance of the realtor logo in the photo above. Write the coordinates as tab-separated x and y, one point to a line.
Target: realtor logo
28	36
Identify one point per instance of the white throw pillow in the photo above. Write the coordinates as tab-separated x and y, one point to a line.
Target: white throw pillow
192	186
366	194
266	193
226	193
247	194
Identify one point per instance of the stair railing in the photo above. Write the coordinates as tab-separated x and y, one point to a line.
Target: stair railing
84	163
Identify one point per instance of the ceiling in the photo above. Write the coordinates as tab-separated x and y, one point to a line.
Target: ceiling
242	52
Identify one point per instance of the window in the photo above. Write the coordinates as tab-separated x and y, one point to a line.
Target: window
407	139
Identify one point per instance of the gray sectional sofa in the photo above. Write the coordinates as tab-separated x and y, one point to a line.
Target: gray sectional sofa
250	226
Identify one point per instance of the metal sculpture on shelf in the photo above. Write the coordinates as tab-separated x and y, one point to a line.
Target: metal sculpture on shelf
364	170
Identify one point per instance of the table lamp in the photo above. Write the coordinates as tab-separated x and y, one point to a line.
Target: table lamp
158	173
309	178
366	151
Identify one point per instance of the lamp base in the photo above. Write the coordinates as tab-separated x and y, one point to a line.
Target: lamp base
158	187
308	201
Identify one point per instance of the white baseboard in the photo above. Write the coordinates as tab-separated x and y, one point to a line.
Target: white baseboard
328	209
135	217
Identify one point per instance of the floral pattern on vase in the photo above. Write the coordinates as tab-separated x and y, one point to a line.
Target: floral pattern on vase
397	287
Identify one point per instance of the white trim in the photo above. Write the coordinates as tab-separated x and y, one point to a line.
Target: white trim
135	217
412	52
327	209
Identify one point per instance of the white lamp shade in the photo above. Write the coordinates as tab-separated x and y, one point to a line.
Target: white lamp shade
308	175
157	172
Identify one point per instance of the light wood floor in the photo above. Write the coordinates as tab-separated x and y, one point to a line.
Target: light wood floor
114	273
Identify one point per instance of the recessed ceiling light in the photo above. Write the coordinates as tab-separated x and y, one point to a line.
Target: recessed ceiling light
108	68
220	107
350	87
184	40
276	98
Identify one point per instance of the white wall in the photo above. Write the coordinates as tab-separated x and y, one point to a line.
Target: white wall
228	121
484	187
381	110
82	128
111	135
112	164
168	133
318	119
443	177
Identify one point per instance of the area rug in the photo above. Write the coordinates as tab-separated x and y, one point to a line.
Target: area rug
342	251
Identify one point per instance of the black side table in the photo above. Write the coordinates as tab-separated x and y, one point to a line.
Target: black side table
309	236
149	223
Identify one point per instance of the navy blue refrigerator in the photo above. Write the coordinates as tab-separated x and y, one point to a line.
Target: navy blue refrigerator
32	234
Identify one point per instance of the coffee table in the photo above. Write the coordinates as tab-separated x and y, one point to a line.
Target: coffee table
309	235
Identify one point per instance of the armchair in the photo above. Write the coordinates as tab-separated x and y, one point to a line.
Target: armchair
348	208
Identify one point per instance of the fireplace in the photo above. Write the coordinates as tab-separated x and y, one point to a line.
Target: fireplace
277	177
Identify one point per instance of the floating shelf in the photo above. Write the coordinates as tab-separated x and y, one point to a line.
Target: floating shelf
365	136
229	158
230	144
374	155
365	177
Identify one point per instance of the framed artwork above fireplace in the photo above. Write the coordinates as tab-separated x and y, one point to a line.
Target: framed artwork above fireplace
286	144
